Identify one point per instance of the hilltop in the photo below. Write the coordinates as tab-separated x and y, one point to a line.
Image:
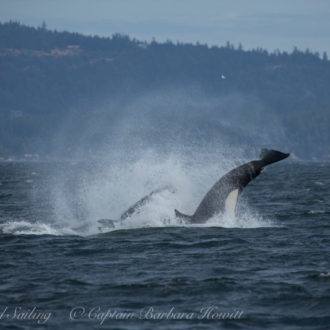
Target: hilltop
49	79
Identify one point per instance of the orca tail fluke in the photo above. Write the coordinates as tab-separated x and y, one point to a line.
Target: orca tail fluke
272	156
186	218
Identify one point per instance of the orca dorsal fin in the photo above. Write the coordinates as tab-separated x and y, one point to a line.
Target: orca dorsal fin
107	222
182	216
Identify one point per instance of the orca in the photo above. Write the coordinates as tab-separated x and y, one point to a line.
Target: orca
134	209
222	197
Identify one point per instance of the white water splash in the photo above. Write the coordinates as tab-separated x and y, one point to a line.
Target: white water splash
159	212
81	194
29	228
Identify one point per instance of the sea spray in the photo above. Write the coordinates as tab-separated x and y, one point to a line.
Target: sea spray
87	191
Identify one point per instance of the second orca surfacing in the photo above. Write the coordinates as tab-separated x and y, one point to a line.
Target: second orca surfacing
222	197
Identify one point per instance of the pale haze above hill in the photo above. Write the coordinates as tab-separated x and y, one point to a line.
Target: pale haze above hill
256	23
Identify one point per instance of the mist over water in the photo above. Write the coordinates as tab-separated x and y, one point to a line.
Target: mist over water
179	120
74	195
105	192
121	151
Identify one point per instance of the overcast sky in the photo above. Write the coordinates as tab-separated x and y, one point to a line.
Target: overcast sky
280	24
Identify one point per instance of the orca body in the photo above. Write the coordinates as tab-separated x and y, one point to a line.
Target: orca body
134	209
222	197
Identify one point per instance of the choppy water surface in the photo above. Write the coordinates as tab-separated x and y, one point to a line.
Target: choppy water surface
267	269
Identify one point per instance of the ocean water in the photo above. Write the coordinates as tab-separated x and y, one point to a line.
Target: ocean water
269	268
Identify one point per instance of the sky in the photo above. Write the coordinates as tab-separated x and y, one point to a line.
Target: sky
268	24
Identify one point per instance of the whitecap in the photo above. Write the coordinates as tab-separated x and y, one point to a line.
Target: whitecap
319	183
325	274
316	211
36	228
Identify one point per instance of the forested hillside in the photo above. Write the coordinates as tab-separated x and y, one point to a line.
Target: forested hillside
60	83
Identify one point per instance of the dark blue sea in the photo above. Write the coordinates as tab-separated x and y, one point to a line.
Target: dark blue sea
269	268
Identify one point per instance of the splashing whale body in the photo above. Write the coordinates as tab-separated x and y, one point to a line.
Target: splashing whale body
134	209
222	197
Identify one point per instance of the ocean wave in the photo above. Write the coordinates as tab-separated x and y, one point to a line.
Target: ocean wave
325	274
316	211
28	228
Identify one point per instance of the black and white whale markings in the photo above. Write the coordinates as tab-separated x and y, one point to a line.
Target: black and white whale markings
222	197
